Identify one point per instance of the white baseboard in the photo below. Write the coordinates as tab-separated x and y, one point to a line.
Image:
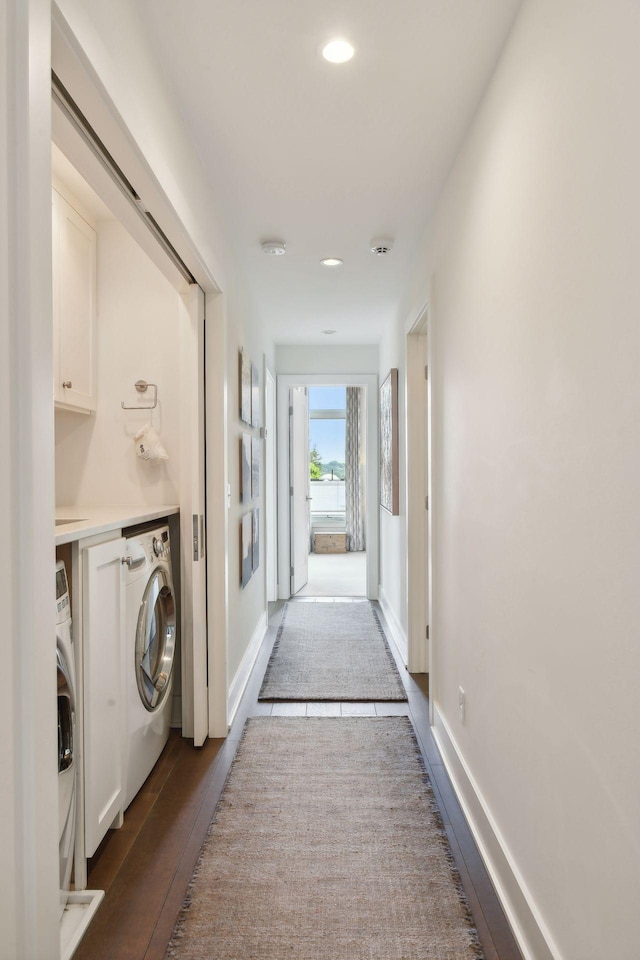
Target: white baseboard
239	682
78	914
398	635
534	939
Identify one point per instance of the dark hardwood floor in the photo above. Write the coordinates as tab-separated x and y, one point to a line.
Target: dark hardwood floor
146	865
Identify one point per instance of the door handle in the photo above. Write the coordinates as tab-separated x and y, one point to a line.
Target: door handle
133	564
67	384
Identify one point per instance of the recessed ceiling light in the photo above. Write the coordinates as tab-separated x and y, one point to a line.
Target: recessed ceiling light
338	51
331	262
329	332
275	248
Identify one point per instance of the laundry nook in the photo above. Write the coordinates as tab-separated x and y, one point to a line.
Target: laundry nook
122	457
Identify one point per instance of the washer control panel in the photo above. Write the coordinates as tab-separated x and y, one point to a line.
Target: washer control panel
63	604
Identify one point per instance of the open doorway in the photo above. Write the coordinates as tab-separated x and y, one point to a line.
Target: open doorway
337	564
327	512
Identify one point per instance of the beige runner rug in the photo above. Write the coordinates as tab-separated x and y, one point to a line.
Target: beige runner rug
331	651
326	845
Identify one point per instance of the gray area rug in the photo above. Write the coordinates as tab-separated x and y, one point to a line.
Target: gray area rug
326	845
331	651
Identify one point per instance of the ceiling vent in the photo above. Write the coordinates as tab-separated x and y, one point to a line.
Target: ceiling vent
275	248
380	246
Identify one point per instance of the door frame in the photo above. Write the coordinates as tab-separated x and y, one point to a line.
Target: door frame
370	383
298	578
29	894
271	486
195	702
419	473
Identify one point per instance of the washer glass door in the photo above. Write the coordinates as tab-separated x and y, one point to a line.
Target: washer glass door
155	640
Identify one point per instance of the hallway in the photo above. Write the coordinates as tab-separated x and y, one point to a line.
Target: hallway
336	575
145	867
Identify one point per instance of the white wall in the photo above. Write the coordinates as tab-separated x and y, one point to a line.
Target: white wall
534	306
138	338
246	606
327	359
393	568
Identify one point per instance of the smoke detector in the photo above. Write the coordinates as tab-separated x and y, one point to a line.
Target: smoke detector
380	246
275	248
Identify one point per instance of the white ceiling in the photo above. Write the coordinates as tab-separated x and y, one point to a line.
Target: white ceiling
327	157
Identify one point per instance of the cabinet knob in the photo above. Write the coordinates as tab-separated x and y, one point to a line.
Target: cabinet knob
67	384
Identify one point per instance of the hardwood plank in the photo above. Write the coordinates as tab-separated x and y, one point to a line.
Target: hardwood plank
177	889
124	924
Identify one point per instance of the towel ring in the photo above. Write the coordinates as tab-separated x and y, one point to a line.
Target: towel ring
142	386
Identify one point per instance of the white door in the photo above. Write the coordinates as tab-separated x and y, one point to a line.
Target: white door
418	506
299	486
271	490
195	711
74	307
103	619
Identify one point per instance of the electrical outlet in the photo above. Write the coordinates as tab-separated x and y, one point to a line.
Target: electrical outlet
461	705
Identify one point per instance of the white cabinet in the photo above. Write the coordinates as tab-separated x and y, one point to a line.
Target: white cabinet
74	307
103	622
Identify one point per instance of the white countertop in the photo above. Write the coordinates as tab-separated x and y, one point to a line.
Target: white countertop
86	521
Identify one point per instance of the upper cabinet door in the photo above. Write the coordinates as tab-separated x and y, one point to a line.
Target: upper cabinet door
74	293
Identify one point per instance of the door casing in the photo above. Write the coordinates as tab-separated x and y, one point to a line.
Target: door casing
419	493
370	382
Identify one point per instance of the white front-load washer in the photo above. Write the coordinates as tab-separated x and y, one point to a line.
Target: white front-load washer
150	641
67	756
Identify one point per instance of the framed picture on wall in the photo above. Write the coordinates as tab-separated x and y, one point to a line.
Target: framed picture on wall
244	386
255	396
255	468
246	550
255	520
389	483
245	468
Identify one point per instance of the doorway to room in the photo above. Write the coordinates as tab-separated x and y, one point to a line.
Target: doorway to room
337	563
327	441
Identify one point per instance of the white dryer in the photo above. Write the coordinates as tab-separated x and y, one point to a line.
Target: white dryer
67	762
150	641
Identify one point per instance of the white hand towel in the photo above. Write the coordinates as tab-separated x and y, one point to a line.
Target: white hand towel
148	445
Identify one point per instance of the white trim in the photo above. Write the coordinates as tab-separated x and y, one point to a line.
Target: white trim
271	486
191	365
396	633
417	474
29	880
217	500
241	679
80	911
370	382
534	939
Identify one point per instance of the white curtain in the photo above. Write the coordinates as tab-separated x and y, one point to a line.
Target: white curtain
354	469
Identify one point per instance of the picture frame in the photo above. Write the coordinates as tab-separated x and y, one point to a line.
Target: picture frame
246	549
255	553
244	387
255	396
255	468
389	467
245	468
